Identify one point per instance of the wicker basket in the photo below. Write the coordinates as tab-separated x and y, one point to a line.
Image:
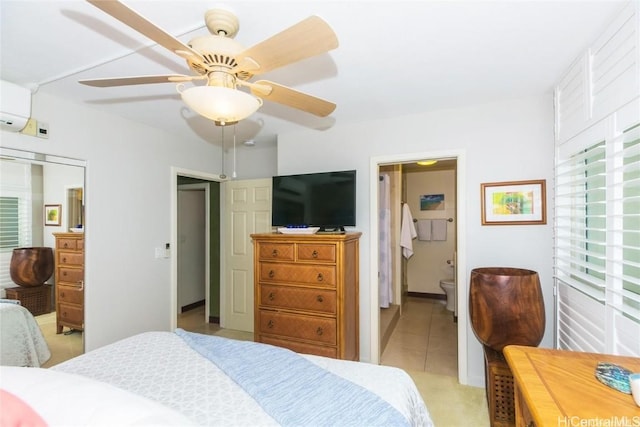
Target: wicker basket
499	384
36	299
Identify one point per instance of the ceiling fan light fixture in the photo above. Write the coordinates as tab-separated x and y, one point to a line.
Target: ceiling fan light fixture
220	104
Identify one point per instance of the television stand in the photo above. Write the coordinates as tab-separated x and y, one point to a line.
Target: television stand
331	230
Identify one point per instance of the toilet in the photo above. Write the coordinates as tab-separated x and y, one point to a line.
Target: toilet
449	288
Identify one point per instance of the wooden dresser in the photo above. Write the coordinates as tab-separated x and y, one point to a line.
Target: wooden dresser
69	287
306	293
559	388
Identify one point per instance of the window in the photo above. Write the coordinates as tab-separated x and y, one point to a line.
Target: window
15	214
597	224
9	223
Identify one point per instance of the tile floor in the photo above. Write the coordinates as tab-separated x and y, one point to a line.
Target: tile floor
424	339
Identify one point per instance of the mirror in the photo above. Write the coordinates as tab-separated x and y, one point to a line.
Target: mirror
42	196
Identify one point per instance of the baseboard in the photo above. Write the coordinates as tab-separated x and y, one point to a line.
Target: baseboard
427	295
192	306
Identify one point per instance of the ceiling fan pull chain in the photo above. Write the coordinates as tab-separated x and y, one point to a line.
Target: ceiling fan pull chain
233	174
222	175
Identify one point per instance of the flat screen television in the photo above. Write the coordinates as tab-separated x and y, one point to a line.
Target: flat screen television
325	199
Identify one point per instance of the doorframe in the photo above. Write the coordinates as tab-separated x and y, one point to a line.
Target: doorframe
461	281
174	173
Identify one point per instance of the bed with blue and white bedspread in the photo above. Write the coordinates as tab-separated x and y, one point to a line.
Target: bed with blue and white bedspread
218	381
21	340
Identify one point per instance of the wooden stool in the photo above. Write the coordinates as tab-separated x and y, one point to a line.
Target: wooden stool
499	386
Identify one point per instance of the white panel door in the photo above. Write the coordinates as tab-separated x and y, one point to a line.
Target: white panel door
247	210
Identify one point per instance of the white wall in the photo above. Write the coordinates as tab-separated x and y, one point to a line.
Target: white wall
428	265
506	141
127	209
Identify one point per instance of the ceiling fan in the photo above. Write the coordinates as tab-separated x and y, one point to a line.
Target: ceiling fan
224	64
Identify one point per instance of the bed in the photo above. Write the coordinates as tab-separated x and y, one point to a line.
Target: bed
182	378
21	340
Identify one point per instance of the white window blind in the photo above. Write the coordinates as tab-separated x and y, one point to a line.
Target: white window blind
15	214
597	225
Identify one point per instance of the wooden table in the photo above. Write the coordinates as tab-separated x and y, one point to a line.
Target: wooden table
559	388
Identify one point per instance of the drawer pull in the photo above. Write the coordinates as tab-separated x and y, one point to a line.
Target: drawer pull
64	259
320	277
64	273
319	298
271	274
271	296
314	254
274	253
62	294
531	424
81	284
270	324
66	245
319	331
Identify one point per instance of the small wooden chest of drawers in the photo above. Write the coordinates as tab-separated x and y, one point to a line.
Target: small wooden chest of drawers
306	293
69	288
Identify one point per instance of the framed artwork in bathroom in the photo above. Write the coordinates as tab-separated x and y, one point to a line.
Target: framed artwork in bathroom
52	214
514	202
432	202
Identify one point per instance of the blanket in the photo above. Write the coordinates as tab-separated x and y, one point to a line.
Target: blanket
293	390
21	340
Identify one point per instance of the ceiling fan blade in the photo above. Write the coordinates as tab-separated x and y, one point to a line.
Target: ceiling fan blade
305	39
139	80
131	18
292	98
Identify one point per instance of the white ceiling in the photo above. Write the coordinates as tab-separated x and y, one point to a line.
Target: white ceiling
395	57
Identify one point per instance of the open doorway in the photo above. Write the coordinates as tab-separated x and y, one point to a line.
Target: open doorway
382	163
195	248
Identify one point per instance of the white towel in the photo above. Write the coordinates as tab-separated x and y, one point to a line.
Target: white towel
439	229
407	232
424	229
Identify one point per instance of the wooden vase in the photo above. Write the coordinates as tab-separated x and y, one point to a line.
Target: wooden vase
506	306
31	266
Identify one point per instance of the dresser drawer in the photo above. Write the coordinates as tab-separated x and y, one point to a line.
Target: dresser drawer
301	347
324	275
71	244
316	252
276	251
310	328
319	300
70	258
70	314
70	275
70	294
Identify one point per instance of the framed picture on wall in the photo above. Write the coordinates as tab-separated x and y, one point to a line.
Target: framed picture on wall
514	203
432	202
52	214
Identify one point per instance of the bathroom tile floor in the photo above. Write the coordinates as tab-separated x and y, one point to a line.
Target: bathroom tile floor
424	339
424	343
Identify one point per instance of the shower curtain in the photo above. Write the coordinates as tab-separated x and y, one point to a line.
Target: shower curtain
384	251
